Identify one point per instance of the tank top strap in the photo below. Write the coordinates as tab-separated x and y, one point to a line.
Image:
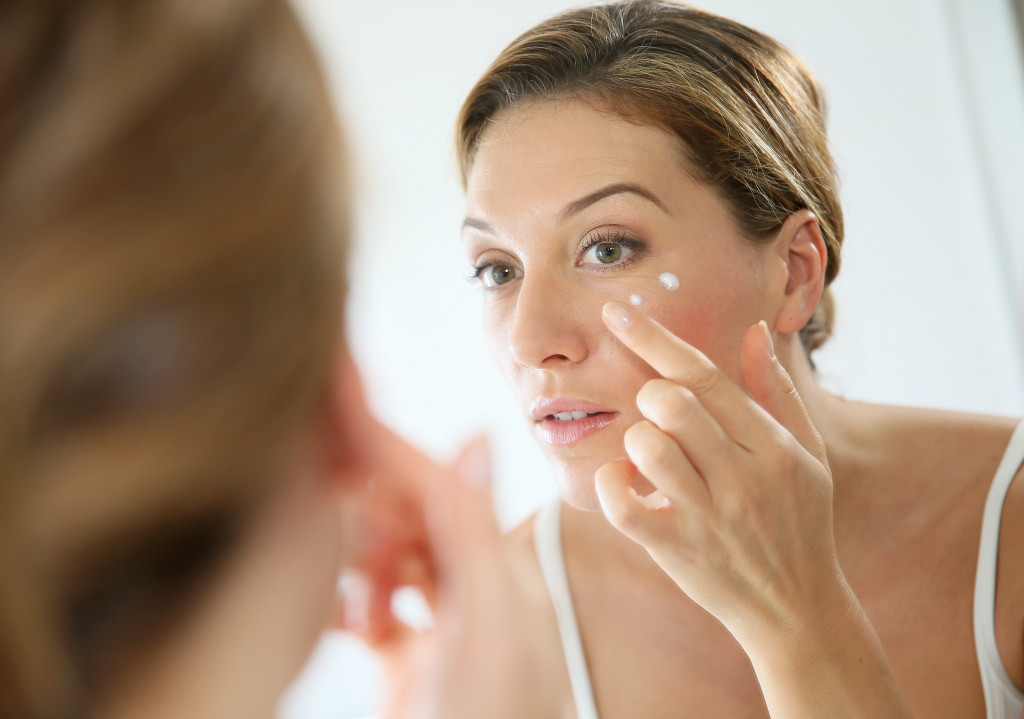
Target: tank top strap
547	539
1003	699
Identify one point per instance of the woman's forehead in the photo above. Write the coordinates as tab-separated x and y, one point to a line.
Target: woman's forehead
561	150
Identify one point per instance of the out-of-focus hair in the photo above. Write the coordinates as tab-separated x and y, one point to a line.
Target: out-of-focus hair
172	224
750	114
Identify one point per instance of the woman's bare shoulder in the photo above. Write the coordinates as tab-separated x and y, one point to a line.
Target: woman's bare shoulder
961	428
926	466
964	453
940	444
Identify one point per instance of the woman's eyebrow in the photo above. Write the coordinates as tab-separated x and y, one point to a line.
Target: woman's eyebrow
475	224
577	206
583	203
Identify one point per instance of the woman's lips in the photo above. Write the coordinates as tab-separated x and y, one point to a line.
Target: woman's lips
561	432
562	421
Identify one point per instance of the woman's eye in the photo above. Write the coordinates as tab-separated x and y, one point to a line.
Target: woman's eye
606	253
497	275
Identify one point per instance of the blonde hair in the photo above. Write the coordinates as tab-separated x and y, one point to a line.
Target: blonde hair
750	114
171	233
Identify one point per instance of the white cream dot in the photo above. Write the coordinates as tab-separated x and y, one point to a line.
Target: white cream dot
636	300
669	281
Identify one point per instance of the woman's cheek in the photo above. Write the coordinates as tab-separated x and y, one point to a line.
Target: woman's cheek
707	310
646	292
497	323
709	321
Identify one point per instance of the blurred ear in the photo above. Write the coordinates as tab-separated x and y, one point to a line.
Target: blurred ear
804	253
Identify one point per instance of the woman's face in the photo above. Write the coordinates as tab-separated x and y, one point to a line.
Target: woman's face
570	207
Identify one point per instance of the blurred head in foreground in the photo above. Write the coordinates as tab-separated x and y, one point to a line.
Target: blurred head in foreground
172	228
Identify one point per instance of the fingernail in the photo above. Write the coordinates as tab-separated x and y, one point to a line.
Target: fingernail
768	337
619	316
473	467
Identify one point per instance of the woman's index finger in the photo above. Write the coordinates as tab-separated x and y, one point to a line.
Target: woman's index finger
671	357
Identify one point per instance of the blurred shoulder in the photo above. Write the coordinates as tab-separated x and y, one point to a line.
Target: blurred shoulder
519	539
522	554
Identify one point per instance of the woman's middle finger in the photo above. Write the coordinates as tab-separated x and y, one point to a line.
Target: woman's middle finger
660	459
679	413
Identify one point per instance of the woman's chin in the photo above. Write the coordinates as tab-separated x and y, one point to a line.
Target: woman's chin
577	488
576	485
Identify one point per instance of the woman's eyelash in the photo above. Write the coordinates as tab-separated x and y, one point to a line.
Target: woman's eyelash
635	246
491	275
615	238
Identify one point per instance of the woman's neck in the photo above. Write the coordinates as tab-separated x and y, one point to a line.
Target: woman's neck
593	547
844	426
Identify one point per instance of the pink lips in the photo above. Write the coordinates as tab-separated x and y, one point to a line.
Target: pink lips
565	432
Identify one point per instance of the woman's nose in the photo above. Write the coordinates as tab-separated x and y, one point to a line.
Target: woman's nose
547	330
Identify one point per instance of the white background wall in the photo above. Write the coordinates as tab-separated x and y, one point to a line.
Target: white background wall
927	120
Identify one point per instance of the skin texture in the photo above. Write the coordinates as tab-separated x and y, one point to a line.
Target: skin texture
825	548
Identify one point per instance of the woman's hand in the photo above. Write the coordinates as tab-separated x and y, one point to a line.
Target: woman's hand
742	515
741	520
437	532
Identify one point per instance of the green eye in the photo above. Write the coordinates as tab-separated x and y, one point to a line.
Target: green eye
606	253
497	275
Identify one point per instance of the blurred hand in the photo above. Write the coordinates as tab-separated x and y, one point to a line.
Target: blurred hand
436	530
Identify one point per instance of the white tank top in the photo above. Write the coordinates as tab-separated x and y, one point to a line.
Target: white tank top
1003	699
547	539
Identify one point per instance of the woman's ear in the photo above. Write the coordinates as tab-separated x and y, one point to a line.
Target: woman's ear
805	255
